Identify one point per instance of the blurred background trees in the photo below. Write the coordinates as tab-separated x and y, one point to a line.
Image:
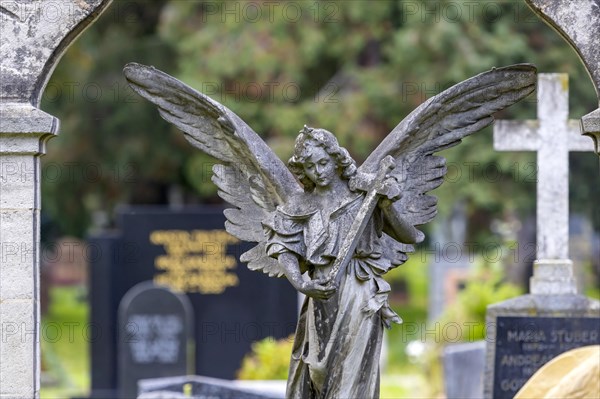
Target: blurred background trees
356	68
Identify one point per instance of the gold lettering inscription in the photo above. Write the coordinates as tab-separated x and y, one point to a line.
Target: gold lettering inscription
195	261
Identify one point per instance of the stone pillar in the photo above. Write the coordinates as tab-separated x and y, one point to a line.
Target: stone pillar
33	36
23	133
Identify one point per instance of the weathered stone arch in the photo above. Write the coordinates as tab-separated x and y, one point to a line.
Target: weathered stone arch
33	37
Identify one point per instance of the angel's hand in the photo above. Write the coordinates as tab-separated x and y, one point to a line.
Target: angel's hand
315	289
390	189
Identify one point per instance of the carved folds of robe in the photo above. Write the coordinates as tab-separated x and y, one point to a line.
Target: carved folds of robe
338	340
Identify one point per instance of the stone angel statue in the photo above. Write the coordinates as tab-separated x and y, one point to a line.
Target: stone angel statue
331	227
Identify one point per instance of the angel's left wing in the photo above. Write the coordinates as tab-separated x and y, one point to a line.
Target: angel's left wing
439	123
250	176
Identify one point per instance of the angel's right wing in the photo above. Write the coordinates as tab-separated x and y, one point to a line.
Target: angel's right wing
439	123
250	177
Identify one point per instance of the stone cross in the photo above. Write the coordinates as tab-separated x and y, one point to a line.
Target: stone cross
553	135
579	24
34	34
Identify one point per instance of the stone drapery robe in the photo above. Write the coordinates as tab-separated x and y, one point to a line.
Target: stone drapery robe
338	341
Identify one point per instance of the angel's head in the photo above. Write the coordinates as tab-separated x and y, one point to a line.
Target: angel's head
318	155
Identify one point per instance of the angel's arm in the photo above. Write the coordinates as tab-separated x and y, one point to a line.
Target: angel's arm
398	227
289	263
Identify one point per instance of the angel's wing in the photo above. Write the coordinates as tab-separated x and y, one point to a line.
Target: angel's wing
439	123
251	177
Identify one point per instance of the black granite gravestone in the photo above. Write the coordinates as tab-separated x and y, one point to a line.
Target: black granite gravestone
189	251
155	330
525	344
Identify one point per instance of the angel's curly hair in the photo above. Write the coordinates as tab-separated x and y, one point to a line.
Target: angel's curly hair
310	137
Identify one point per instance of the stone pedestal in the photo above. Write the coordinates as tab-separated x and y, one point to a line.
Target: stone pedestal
553	277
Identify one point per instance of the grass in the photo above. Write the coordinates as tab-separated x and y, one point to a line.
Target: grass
404	386
64	342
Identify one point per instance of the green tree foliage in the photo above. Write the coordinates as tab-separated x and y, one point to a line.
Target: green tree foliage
353	67
112	149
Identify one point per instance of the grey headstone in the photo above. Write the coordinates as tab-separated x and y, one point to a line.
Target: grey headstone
463	370
526	332
519	264
579	24
210	388
155	329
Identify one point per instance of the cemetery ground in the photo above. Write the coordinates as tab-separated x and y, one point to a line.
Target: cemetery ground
66	359
414	352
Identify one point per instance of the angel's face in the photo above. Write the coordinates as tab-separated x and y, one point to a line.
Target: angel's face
319	167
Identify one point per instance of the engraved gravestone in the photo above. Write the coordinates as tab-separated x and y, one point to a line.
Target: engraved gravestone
155	332
526	332
525	344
